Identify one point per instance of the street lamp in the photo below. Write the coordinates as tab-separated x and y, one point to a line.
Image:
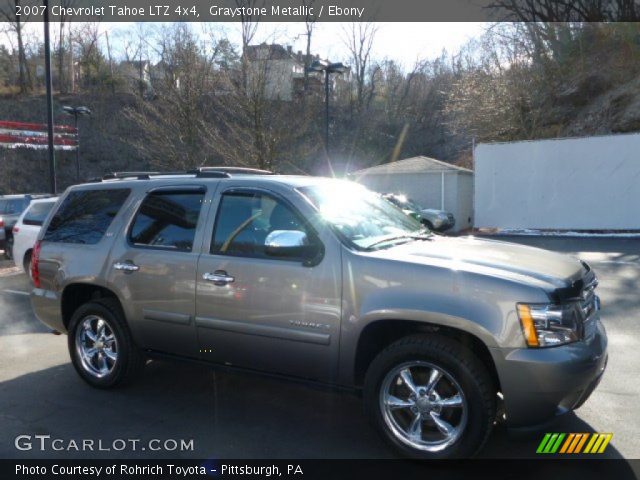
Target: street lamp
76	112
328	69
47	66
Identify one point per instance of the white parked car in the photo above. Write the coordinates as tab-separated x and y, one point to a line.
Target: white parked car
25	231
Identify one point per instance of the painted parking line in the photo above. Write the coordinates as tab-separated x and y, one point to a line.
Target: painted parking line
617	262
10	272
15	292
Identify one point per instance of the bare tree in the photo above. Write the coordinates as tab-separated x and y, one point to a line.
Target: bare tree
358	39
309	26
567	10
15	23
249	26
62	48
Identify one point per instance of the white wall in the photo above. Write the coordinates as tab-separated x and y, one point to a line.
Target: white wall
588	183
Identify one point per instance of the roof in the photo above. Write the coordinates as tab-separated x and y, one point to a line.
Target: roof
129	180
275	51
419	164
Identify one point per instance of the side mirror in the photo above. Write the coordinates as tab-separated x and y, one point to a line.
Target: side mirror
292	244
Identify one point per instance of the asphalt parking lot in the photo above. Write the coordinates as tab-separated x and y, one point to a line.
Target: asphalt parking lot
246	416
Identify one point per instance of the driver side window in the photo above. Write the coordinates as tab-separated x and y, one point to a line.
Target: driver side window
244	221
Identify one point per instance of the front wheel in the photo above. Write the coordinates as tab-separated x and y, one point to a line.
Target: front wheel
430	397
100	345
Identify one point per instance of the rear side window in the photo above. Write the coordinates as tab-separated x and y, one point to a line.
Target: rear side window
167	220
84	216
37	213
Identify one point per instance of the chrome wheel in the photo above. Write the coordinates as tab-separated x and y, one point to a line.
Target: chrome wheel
423	406
96	346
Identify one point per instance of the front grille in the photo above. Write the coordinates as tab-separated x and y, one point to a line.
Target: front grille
590	302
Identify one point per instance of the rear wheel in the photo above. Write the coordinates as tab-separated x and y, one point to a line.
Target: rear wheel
100	345
430	397
8	247
26	263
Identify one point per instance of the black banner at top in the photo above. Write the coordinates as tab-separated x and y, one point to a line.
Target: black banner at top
322	10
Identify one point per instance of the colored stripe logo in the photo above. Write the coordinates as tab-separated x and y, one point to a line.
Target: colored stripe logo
574	443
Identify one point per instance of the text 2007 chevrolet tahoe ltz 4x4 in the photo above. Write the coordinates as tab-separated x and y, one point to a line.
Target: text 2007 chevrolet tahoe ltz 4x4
319	279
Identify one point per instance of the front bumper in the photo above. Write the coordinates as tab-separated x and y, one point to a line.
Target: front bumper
540	383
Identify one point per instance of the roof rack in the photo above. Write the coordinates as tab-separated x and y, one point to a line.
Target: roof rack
233	170
200	172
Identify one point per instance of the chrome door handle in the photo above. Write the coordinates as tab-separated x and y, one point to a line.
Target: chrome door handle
127	267
219	277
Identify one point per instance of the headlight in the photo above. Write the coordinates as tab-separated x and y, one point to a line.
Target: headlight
546	325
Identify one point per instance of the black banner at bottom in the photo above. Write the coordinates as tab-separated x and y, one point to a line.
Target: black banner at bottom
583	469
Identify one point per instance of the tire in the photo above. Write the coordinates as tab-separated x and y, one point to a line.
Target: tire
26	263
464	385
8	247
429	225
116	339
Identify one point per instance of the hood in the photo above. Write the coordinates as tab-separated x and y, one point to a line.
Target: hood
490	257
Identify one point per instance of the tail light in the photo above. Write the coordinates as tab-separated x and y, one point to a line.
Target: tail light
35	258
15	230
1	222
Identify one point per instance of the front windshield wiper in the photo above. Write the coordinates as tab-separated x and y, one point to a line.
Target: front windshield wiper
415	236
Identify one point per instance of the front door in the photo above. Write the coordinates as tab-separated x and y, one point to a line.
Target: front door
265	312
155	264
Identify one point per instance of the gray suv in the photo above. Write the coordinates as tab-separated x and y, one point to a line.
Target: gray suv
323	280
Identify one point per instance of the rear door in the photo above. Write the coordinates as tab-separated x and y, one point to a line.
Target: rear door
154	265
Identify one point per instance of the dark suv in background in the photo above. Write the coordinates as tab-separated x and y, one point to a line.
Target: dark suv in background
323	280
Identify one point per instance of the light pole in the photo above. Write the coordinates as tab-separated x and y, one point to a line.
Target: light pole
47	66
76	112
328	69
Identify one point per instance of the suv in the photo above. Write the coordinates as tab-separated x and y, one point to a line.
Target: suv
434	219
324	280
25	231
11	207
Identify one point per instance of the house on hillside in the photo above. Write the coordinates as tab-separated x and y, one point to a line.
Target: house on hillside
278	71
136	73
163	76
429	182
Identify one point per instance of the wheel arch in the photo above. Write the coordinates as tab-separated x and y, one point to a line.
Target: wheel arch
25	256
76	294
377	335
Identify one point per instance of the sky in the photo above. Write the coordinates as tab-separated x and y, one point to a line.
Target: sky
403	42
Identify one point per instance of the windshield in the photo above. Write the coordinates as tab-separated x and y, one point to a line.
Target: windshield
362	217
37	213
13	206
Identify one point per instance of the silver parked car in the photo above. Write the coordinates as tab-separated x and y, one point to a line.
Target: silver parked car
434	219
323	280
